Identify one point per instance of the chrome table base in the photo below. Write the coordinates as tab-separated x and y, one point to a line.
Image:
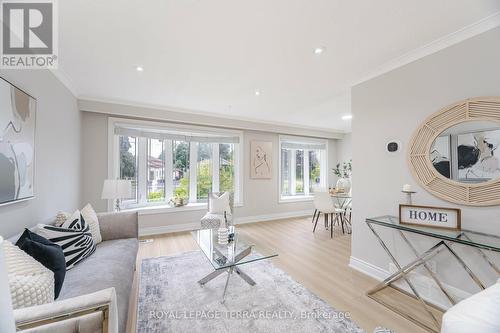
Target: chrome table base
421	260
229	270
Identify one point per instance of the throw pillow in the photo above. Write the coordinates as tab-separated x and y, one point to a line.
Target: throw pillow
219	204
47	253
73	236
30	283
61	217
90	217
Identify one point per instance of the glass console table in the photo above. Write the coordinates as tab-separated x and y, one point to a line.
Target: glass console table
445	239
229	257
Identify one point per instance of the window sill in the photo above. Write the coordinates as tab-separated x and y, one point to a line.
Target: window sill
297	198
167	209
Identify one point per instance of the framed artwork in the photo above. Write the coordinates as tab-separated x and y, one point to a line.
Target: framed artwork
477	160
440	155
261	159
17	143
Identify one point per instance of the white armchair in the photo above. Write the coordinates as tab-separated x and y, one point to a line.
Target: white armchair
215	215
478	313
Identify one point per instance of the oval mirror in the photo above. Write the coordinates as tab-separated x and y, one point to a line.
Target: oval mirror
453	153
467	152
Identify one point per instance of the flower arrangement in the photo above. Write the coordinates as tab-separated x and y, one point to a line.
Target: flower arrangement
343	170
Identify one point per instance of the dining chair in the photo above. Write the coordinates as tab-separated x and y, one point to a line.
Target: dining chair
323	203
348	217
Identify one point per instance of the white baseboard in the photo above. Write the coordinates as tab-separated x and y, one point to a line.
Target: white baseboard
271	217
165	229
368	269
424	284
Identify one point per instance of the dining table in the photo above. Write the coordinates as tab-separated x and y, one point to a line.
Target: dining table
343	202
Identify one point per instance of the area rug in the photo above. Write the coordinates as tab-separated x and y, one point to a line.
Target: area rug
171	300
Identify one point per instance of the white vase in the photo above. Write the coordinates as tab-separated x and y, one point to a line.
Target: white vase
344	184
223	236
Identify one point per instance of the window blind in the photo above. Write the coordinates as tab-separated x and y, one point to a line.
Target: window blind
305	146
163	135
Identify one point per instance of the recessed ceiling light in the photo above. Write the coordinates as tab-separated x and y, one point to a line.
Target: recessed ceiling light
347	117
319	50
139	69
257	93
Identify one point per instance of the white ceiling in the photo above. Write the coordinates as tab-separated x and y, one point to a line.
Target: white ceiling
211	55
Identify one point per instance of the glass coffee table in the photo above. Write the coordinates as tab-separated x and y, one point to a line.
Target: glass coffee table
229	257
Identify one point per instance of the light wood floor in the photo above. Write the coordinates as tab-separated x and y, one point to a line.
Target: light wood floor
314	260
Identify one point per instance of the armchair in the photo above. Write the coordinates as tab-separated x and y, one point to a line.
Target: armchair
213	220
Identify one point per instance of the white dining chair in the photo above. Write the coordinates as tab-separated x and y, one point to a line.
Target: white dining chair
323	203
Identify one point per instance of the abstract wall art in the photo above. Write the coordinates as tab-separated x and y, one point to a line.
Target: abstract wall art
261	159
17	143
477	160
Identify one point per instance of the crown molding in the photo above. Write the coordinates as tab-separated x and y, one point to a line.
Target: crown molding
474	29
182	116
65	80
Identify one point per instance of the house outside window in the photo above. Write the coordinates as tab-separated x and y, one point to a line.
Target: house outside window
164	161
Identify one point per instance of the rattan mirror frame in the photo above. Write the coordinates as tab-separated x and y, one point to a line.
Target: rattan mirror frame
474	109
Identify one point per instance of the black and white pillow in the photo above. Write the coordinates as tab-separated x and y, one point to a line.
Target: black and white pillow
74	237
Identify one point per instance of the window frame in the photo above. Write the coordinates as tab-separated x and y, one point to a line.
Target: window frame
307	196
114	162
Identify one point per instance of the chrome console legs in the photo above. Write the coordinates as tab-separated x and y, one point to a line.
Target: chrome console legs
420	261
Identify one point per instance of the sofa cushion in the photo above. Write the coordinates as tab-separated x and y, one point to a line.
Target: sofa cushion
47	253
30	282
90	217
111	265
73	236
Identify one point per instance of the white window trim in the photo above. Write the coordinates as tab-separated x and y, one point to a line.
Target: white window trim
323	169
114	164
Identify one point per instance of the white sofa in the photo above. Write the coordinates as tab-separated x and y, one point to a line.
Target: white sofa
479	313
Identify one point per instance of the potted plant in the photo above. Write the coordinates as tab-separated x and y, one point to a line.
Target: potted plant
180	197
343	172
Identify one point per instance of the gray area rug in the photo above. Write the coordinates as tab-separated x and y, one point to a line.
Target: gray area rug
171	300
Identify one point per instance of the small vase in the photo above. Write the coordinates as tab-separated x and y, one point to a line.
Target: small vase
223	236
344	185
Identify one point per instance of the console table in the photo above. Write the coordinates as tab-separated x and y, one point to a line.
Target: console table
445	239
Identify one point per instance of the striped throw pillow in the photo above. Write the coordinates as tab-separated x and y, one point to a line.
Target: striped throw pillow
73	236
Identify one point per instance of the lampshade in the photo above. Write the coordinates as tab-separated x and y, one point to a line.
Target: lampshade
7	315
116	189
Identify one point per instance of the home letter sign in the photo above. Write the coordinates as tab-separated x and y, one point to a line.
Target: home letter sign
437	217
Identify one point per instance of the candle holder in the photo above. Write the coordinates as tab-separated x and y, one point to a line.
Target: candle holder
408	196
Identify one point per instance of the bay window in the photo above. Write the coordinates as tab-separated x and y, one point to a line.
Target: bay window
166	161
303	167
129	162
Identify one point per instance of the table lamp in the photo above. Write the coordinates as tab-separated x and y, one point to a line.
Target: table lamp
7	315
116	189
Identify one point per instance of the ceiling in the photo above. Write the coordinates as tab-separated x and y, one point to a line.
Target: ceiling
211	56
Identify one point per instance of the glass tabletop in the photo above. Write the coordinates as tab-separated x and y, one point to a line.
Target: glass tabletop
467	237
239	251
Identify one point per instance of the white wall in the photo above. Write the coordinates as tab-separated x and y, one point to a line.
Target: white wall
260	196
57	146
391	106
343	148
343	153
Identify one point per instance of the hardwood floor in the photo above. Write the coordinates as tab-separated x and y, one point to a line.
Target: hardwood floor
313	259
